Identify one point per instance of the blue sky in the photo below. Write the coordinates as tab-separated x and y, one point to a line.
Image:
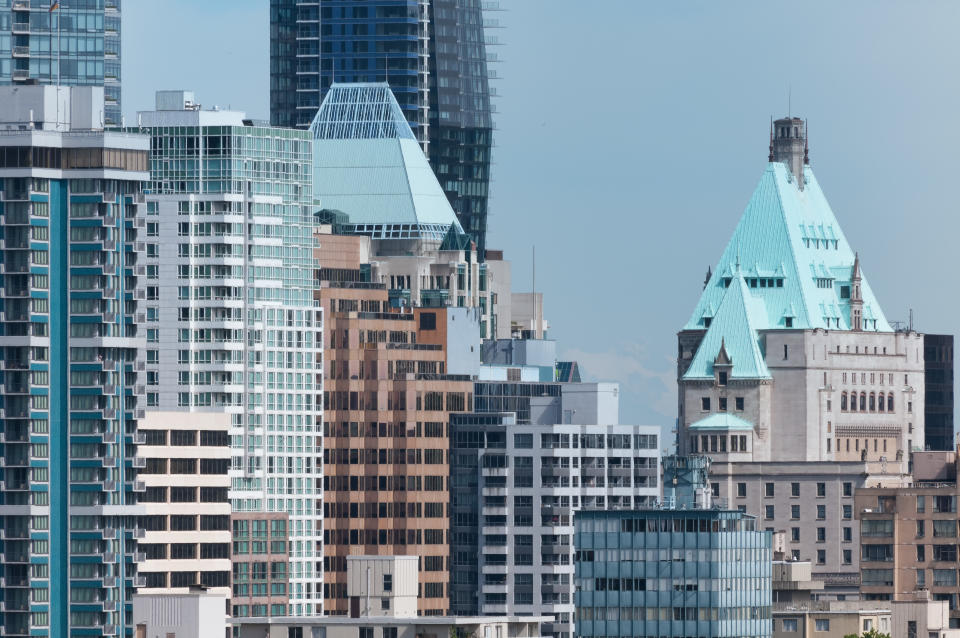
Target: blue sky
631	135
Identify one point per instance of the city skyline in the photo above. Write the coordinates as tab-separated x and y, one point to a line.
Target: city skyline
862	135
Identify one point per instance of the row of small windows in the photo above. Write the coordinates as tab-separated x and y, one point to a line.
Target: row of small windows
718	443
722	402
862	402
758	282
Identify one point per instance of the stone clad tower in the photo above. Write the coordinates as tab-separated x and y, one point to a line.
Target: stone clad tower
790	377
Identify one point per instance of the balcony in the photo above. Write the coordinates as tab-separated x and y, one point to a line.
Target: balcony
21	5
139	486
21	52
20	28
139	462
108	532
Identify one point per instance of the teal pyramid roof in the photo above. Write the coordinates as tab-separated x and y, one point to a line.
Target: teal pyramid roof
734	327
368	164
794	258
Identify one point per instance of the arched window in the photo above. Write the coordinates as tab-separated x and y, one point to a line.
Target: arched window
843	402
880	403
873	402
863	401
890	402
853	401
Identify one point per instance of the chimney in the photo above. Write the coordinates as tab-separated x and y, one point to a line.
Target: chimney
789	145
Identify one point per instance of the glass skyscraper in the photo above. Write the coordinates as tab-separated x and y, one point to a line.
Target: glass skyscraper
432	53
71	365
75	44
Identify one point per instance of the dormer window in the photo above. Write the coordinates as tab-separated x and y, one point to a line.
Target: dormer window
844	292
788	322
722	378
706	321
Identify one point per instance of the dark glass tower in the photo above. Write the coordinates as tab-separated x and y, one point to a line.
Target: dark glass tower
938	401
433	55
89	31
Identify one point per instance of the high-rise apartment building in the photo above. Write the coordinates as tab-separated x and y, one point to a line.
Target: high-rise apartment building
790	377
184	495
392	379
514	491
72	362
76	43
230	319
431	53
938	404
686	570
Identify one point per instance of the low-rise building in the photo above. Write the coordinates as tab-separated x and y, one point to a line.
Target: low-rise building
382	591
829	619
687	570
186	523
194	613
261	564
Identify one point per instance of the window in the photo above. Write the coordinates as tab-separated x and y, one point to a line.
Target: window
739	404
821	490
921	553
768	490
705	404
821	534
921	504
768	512
721	378
821	624
795	512
795	534
790	625
821	556
848	512
821	512
847	556
723	404
847	534
848	489
741	490
794	489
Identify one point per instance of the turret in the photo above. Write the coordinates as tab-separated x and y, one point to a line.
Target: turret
788	144
856	297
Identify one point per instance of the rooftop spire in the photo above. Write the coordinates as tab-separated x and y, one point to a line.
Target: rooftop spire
789	145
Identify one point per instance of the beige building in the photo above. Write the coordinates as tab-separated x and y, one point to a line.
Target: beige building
790	376
186	541
190	614
909	535
828	619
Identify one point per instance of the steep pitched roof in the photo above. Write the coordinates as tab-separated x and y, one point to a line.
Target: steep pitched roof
733	331
368	163
795	258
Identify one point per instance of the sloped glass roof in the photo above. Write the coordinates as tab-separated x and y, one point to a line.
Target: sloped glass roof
360	112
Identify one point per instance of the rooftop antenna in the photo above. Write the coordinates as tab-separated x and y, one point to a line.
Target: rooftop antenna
789	101
533	291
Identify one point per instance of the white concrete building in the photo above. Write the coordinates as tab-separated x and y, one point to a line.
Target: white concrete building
186	523
191	614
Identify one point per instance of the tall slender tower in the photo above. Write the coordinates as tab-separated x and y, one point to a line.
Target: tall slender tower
231	322
432	53
72	363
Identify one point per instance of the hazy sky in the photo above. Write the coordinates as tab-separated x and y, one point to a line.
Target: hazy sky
630	136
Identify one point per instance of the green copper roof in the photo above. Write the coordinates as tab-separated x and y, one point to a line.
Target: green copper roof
721	421
794	258
734	327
